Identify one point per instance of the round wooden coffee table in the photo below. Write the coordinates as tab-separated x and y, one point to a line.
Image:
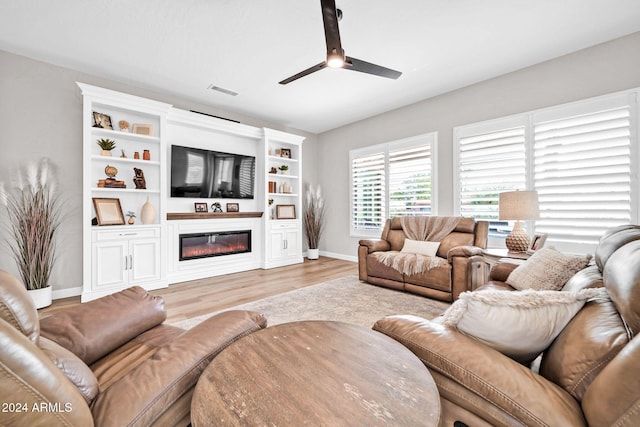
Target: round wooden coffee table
316	373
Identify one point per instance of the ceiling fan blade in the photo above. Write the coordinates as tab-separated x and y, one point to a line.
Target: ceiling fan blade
331	30
369	68
306	72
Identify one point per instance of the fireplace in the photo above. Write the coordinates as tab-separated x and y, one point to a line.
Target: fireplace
205	245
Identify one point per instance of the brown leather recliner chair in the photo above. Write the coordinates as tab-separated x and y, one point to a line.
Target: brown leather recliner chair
109	362
589	375
444	282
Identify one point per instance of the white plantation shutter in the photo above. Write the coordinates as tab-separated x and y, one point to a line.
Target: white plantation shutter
410	181
582	171
488	164
389	180
247	176
368	192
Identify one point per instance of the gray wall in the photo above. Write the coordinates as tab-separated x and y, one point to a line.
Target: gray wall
40	116
602	69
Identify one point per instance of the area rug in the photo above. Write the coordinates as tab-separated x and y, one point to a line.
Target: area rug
346	300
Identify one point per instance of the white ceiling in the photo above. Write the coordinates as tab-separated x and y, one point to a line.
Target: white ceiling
248	46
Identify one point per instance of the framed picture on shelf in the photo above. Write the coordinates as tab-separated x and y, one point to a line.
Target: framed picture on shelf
537	242
102	121
108	211
285	152
201	207
233	207
285	211
143	129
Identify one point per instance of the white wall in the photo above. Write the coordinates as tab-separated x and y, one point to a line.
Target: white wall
41	115
602	69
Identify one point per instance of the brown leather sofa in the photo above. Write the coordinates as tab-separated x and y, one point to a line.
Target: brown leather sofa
109	362
444	282
589	375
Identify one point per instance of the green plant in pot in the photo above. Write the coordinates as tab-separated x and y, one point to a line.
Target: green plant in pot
34	215
284	169
313	219
106	145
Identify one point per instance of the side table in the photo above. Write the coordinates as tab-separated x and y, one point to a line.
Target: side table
316	373
480	266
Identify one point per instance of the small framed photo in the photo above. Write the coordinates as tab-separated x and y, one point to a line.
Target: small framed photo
537	242
143	129
233	207
286	211
102	121
108	211
201	207
285	152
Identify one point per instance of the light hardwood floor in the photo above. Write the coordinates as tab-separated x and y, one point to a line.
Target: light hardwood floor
189	299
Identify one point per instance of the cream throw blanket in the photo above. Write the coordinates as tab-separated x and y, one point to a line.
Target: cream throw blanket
429	228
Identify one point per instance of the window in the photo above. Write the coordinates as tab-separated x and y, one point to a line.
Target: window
389	180
579	157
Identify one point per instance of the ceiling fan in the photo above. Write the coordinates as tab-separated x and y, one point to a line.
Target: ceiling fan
335	54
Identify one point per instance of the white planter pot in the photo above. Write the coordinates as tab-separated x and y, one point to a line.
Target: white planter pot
313	253
41	297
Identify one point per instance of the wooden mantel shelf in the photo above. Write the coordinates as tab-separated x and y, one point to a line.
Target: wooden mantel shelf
212	215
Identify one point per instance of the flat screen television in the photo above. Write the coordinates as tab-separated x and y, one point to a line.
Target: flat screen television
205	174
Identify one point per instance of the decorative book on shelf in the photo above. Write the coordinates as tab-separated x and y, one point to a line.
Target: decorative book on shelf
111	183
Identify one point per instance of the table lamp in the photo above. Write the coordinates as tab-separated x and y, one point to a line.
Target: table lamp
518	206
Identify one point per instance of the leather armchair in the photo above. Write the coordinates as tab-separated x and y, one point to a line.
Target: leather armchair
461	248
108	362
590	374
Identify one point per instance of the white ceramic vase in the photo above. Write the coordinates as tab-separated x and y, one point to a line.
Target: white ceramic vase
148	214
41	297
313	253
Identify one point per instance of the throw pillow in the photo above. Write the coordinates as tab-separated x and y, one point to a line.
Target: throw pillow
519	324
547	269
422	247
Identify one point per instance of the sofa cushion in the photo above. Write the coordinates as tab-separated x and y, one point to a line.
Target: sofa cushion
17	308
72	367
518	324
420	247
584	347
547	269
98	327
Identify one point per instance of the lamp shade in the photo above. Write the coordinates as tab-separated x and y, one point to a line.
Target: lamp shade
519	205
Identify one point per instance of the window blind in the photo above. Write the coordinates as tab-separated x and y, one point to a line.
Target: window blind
368	191
582	171
410	181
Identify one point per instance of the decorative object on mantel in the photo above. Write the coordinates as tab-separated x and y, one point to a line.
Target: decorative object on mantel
139	180
123	125
132	217
313	220
284	169
518	205
106	145
101	121
34	215
201	207
216	207
148	212
233	207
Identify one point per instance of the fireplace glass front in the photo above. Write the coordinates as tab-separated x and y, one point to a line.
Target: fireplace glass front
204	245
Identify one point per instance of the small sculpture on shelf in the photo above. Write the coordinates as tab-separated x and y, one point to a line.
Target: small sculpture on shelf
216	207
122	154
138	179
111	181
123	125
131	216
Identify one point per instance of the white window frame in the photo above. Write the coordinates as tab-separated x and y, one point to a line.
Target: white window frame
428	139
529	119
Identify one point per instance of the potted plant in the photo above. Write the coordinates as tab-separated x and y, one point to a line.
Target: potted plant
284	169
106	145
34	213
313	220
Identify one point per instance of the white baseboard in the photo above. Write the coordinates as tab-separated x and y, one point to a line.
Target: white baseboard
66	293
339	256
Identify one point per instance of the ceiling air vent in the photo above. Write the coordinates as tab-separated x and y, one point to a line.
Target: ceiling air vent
222	90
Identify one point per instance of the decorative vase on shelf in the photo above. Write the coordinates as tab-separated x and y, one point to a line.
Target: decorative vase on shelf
148	214
136	155
146	155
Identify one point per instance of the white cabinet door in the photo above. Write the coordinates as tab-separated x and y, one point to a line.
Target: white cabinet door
277	250
144	261
110	261
291	246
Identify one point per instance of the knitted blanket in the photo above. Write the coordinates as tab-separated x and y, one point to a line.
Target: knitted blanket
428	228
